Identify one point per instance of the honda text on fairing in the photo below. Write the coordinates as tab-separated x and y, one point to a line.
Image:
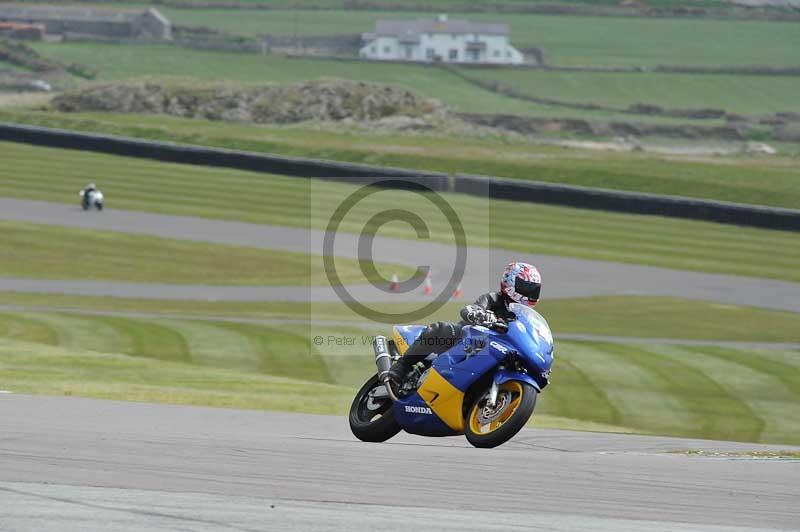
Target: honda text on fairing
484	387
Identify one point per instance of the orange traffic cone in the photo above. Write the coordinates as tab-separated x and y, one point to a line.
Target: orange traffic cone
458	293
427	288
395	286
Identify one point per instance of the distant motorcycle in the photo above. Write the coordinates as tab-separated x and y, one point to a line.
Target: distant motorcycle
91	199
484	387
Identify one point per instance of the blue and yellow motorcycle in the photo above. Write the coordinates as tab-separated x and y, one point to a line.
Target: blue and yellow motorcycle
484	387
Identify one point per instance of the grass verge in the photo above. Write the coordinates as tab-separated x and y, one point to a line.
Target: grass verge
777	454
632	316
741	179
51	252
55	175
700	392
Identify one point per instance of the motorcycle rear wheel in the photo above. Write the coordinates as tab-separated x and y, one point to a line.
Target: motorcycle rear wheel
489	427
372	420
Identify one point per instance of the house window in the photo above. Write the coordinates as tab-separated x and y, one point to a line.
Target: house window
409	52
387	49
374	49
496	53
453	54
508	54
430	54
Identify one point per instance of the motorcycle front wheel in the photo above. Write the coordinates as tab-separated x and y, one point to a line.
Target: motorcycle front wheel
492	426
371	418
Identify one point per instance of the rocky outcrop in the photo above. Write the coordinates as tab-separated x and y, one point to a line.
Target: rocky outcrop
322	100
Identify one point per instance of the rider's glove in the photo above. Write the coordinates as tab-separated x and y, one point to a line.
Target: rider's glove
480	316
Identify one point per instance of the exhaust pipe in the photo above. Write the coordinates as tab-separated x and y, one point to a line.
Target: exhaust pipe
384	362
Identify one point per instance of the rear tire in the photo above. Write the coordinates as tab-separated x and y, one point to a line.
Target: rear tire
99	206
488	428
372	420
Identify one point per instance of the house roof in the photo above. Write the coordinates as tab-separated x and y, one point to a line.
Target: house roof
410	30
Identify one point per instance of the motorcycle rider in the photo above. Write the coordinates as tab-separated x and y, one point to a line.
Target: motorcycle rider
520	283
86	192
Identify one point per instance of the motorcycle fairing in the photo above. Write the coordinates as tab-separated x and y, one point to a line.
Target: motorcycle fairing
505	375
405	335
534	344
451	375
414	415
444	399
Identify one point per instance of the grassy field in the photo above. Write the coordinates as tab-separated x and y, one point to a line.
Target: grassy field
55	175
51	252
567	40
5	65
626	316
703	392
741	179
662	317
740	94
118	62
121	62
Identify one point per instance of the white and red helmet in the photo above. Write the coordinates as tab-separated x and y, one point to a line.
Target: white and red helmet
521	283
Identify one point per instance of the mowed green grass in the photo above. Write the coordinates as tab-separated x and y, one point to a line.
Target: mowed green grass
55	175
702	392
626	316
669	317
771	181
567	40
739	94
40	251
698	392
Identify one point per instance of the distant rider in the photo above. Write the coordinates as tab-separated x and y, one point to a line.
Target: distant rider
521	283
87	192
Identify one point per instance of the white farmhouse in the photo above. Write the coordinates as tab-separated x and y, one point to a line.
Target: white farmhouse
440	39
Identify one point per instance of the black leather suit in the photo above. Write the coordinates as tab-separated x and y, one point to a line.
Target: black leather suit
440	336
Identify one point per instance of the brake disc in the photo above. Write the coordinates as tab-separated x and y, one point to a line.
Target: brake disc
489	414
374	403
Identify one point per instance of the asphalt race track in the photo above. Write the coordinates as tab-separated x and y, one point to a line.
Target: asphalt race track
564	277
72	464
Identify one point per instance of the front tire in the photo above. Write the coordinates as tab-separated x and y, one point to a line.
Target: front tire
489	427
372	419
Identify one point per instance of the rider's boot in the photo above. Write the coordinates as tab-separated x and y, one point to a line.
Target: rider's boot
400	369
417	352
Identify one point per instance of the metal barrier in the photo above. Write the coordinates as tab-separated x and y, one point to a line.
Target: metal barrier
497	188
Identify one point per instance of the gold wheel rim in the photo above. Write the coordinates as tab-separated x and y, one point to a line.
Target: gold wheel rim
514	390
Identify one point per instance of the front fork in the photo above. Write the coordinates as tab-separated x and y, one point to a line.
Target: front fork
493	391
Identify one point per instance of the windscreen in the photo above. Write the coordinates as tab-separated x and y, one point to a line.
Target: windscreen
534	323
